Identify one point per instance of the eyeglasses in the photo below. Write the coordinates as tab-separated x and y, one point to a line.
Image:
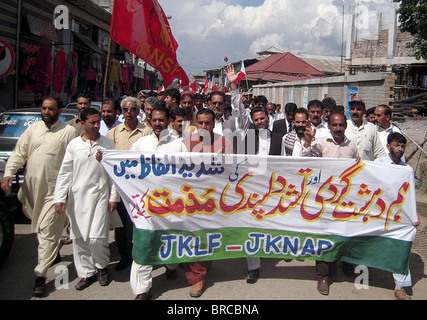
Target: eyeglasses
129	109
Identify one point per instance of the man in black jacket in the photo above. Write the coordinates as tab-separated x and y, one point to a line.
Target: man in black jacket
258	140
284	126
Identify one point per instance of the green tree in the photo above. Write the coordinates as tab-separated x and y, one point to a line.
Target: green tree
412	18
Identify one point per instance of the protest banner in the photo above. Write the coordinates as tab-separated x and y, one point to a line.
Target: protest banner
196	206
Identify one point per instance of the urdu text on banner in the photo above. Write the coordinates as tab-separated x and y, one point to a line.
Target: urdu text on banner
197	206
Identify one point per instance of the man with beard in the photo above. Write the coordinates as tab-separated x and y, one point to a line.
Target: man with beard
161	140
363	133
334	145
292	142
38	99
223	122
42	147
83	102
110	114
187	102
89	209
396	144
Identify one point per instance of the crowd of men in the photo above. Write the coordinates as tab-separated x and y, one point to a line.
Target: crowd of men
65	183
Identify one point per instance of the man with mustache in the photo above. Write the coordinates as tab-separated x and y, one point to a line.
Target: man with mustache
187	103
124	136
396	144
334	145
161	140
315	113
292	142
42	147
363	133
329	105
88	209
204	140
284	125
258	139
178	119
223	122
150	104
383	115
83	102
109	114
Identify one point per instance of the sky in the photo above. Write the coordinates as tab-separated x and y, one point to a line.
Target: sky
209	30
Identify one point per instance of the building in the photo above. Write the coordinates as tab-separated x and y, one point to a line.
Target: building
61	49
388	52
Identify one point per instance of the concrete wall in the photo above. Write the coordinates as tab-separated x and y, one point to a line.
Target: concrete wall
373	88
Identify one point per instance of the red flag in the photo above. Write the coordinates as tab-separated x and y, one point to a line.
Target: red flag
141	27
193	86
206	85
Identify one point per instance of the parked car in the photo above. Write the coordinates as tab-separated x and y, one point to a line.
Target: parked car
7	229
94	104
12	124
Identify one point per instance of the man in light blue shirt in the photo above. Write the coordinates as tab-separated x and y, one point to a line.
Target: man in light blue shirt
109	114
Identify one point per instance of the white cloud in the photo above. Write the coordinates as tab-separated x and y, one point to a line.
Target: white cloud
209	30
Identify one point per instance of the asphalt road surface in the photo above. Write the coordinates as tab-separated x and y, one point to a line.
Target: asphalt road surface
279	280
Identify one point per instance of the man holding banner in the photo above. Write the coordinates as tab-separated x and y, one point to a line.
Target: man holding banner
259	140
334	145
88	208
161	140
123	136
205	140
396	144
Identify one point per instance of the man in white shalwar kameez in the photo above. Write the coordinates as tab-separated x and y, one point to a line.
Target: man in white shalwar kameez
90	198
42	147
159	141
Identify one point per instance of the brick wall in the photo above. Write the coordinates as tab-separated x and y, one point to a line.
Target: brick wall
378	48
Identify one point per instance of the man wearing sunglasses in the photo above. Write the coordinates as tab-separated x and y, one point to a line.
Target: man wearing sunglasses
124	136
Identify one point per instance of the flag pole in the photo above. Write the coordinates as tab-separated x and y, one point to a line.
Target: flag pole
107	67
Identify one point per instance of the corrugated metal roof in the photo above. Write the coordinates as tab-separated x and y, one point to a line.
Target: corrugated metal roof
282	67
326	64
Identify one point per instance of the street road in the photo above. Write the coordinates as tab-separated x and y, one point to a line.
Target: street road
279	280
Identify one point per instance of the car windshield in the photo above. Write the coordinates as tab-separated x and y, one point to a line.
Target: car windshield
13	125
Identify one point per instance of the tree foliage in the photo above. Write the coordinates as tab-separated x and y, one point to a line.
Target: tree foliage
413	19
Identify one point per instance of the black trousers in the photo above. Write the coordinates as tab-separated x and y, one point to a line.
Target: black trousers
123	235
325	270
